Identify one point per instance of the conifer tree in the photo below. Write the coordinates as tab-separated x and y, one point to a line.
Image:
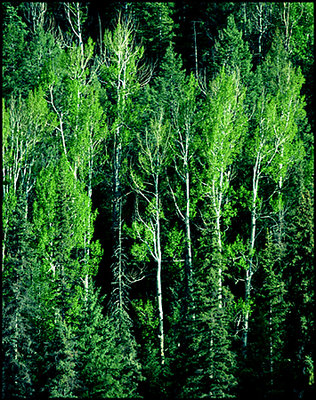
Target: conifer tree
208	359
299	281
154	27
232	52
271	308
19	343
210	185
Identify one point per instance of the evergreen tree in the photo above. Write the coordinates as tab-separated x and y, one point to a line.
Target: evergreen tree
14	33
65	381
154	27
269	320
298	274
208	188
232	52
210	364
104	368
19	343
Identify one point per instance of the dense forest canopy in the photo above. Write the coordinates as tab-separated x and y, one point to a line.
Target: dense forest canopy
158	199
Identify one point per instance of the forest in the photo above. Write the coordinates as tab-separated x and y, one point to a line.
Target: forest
158	200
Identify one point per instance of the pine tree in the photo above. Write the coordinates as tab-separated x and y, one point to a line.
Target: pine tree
269	319
154	27
65	382
232	52
20	340
14	33
103	367
299	280
209	361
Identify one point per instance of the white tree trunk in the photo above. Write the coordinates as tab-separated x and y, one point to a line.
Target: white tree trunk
159	288
249	271
189	262
217	204
117	223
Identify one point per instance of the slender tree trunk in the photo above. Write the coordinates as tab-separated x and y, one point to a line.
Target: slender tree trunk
117	215
286	20
280	207
188	244
217	204
159	288
260	30
195	52
270	344
219	244
249	271
188	238
79	30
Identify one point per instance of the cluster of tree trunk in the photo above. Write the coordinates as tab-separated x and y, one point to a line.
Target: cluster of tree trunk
157	200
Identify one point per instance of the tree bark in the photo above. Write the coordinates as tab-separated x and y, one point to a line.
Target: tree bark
117	216
159	259
188	244
249	271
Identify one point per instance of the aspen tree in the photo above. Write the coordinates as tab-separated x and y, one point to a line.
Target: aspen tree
122	57
153	155
177	94
183	123
224	126
73	96
273	150
25	124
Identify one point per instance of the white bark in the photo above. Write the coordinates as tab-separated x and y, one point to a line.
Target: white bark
188	235
270	344
217	204
153	150
195	53
249	271
159	260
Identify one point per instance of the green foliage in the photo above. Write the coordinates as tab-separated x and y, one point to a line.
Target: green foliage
223	124
209	342
25	53
18	339
147	322
196	167
232	52
65	382
154	25
299	283
14	33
